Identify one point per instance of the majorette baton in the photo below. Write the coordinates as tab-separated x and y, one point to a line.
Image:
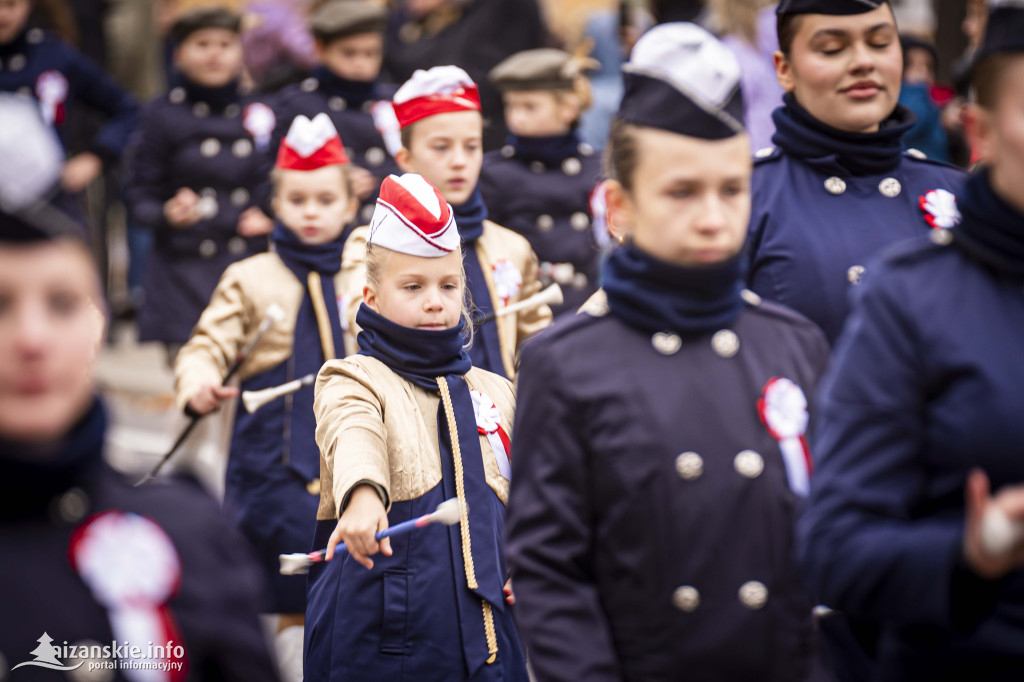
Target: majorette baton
447	513
273	315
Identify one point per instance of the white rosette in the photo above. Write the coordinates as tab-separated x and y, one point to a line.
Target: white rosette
259	121
940	209
488	423
507	280
52	92
132	569
783	408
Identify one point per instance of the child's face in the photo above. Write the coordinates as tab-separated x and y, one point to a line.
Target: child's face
50	331
210	57
355	58
315	205
13	15
540	113
918	66
448	151
690	202
420	293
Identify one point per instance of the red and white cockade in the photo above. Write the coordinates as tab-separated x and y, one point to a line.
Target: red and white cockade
940	209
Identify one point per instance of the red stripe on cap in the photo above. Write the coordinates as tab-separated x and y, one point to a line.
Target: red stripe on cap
419	108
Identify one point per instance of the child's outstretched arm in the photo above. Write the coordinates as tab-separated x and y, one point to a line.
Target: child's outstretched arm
357	527
218	337
354	460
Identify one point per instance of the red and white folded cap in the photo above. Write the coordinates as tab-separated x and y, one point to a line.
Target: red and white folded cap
412	217
440	90
311	144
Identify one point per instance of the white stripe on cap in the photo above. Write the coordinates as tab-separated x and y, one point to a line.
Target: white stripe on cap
691	60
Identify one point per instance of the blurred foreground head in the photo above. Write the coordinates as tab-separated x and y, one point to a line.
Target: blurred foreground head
51	322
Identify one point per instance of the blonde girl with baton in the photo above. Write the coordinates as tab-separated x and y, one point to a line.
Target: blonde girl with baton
273	485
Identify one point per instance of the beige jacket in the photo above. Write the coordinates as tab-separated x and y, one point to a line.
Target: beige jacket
495	244
373	425
238	305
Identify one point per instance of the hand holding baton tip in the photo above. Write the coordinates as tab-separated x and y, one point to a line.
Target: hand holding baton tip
273	315
448	513
552	295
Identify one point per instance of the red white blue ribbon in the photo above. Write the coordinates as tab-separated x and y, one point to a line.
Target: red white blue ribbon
132	568
783	410
507	280
488	423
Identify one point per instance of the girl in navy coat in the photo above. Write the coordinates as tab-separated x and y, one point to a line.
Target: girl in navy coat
402	426
197	176
660	454
838	185
923	406
273	473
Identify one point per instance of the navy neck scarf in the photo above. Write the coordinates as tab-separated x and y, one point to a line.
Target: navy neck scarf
31	476
308	354
418	355
830	150
992	231
655	296
356	93
217	97
548	150
423	357
486	349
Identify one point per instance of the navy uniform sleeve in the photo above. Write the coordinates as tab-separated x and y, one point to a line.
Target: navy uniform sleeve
146	188
549	535
862	549
98	90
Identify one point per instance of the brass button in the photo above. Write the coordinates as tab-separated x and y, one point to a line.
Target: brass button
237	246
855	274
241	148
753	595
375	156
313	487
686	598
890	187
835	185
749	464
750	297
666	343
579	221
545	223
689	466
177	95
207	248
240	197
209	147
508	151
309	85
764	152
572	166
942	237
337	104
725	343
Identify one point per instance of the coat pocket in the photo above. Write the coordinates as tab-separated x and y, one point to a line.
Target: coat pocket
396	611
